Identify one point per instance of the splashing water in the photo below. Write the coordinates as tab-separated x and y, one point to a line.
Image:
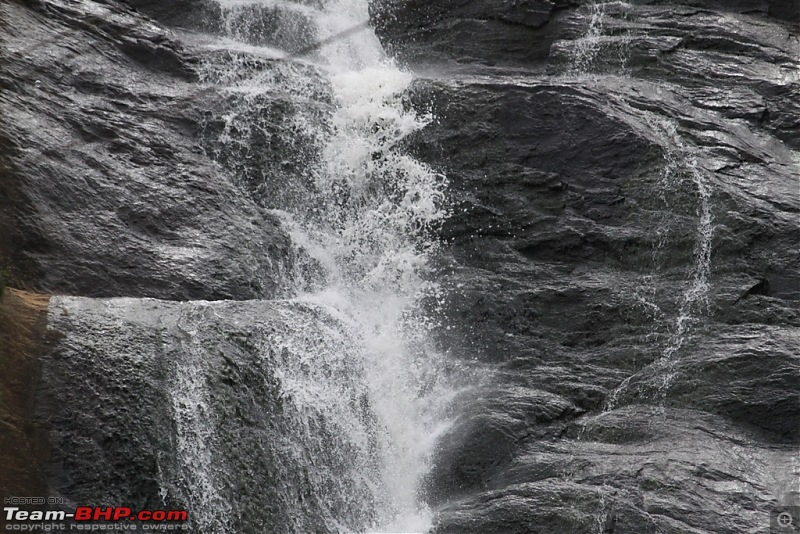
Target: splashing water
383	201
358	211
587	48
587	52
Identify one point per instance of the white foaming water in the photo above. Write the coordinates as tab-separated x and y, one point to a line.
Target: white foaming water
195	423
588	46
359	230
368	240
585	51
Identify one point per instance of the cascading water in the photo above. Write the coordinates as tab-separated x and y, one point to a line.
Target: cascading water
358	211
587	48
681	162
681	177
680	165
598	46
681	181
195	423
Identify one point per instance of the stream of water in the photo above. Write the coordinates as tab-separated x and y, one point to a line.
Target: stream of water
358	213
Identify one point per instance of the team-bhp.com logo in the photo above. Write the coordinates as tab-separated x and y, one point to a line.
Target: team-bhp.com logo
87	513
93	518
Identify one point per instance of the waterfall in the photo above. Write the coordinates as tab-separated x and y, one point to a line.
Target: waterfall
599	48
587	47
359	212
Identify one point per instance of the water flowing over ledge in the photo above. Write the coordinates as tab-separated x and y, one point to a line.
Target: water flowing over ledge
591	206
361	222
345	393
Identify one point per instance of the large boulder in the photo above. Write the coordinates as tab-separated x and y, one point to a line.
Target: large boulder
106	190
620	254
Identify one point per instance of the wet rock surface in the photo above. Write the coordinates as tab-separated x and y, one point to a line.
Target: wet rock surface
108	191
204	405
625	190
521	34
620	262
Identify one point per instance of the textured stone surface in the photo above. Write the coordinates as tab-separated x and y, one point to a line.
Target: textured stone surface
207	406
620	263
593	164
107	191
520	34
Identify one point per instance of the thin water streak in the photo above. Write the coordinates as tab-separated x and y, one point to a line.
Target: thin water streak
680	166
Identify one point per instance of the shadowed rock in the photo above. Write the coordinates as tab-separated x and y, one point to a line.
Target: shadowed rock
108	189
621	176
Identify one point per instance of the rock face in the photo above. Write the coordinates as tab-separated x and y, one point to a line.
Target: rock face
520	33
488	33
208	406
622	259
106	189
619	267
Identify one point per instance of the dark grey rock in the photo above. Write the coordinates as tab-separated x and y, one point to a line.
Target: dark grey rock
785	10
520	34
575	265
107	190
207	406
182	13
488	33
632	470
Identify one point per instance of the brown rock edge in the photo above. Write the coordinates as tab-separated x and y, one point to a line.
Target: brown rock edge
23	441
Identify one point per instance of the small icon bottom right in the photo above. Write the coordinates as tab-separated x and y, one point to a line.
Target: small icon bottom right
785	520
